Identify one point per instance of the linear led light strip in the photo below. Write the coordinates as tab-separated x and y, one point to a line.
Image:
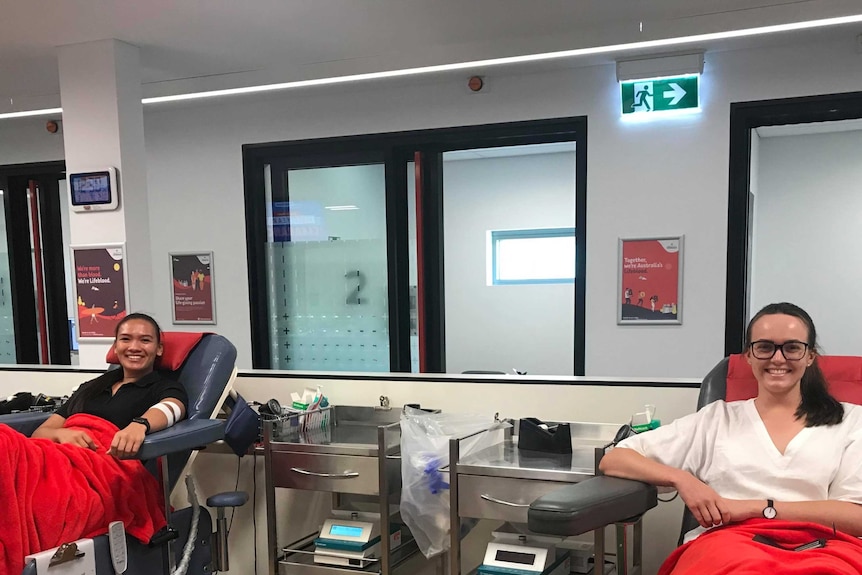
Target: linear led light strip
632	46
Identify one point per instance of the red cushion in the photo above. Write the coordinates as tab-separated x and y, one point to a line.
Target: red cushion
177	345
843	372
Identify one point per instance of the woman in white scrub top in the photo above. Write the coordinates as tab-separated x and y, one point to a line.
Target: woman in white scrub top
793	453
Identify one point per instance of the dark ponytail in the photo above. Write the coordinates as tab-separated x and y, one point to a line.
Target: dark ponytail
94	387
817	407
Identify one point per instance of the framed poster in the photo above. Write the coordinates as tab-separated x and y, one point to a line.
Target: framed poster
101	289
650	281
192	291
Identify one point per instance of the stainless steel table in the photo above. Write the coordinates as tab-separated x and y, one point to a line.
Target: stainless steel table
500	482
344	450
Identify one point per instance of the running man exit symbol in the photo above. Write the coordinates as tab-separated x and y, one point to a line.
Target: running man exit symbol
660	95
643	97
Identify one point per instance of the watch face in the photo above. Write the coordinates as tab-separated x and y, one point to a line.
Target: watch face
770	512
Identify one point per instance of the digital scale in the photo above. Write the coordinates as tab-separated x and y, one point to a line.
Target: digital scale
514	554
352	540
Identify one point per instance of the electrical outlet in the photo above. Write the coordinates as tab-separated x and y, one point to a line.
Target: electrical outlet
859	44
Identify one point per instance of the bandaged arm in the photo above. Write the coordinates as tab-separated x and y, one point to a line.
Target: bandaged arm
164	414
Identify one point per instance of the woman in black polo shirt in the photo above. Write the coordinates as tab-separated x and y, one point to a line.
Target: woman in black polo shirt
136	398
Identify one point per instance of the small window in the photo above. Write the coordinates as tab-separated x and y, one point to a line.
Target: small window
541	256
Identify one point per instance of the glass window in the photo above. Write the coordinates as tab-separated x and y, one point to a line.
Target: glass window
7	327
527	195
531	256
327	269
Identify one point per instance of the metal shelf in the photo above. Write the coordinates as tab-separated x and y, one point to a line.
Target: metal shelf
301	562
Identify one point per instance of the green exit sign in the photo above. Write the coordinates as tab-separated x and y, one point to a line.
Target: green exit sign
660	95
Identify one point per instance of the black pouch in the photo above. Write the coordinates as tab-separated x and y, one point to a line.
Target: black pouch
242	426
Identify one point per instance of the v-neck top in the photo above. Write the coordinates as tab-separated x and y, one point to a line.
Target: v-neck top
727	446
132	399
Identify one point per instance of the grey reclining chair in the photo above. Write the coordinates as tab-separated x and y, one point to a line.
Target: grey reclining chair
207	374
603	500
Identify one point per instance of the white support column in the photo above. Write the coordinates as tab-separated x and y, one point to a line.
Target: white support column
103	126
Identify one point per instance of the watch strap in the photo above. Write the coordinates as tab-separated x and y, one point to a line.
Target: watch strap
769	512
143	421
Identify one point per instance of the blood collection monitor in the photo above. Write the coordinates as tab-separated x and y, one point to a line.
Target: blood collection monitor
351	542
94	191
351	534
523	556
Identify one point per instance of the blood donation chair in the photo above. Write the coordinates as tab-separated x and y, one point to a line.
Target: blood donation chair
603	500
206	365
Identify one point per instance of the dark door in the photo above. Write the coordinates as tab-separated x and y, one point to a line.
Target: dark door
35	286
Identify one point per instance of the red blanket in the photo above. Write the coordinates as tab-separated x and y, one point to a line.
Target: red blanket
731	549
51	493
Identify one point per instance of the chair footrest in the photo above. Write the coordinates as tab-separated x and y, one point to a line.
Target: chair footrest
589	505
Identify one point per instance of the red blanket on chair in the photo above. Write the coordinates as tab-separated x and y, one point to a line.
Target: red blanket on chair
51	493
731	549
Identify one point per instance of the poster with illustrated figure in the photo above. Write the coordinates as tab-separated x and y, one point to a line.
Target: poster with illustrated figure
192	291
650	281
100	289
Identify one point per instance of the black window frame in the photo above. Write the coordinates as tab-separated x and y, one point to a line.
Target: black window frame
397	149
745	117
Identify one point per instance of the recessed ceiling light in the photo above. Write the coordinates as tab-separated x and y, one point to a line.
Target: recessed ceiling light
29	113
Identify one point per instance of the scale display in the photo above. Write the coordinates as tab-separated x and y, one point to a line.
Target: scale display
345	531
514	557
501	558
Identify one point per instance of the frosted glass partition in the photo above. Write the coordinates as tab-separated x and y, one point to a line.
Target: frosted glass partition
328	303
327	270
7	327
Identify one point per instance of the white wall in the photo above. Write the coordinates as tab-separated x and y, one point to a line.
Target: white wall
25	140
525	327
807	232
679	167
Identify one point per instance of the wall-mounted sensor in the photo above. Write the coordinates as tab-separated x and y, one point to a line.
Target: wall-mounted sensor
475	83
53	126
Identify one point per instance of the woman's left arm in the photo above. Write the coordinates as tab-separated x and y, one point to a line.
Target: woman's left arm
843	515
128	441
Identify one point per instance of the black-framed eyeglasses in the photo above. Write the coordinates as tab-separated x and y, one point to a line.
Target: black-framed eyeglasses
791	350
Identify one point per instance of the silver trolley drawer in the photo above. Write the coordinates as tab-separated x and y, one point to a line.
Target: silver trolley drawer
500	498
321	472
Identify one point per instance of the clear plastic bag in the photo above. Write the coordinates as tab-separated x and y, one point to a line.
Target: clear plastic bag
424	452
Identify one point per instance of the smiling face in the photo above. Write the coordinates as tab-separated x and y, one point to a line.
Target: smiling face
779	375
137	347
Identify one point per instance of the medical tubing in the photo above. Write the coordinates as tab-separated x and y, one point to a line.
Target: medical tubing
193	531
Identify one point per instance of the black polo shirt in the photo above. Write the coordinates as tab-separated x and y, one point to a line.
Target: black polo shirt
131	400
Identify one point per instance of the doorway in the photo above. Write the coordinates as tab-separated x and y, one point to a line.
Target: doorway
34	322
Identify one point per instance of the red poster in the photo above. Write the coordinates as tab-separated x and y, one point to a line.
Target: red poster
192	288
100	285
650	273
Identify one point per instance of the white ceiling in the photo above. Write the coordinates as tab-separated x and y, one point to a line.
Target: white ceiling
191	45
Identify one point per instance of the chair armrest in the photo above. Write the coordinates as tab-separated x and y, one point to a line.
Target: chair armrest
25	422
589	505
185	435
